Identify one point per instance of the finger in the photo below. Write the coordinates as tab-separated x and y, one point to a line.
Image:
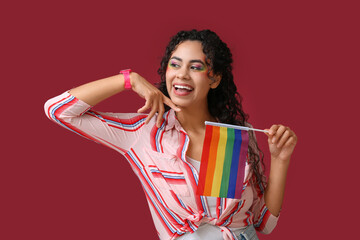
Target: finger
281	129
154	108
284	137
267	132
273	129
271	133
168	102
291	141
161	111
145	107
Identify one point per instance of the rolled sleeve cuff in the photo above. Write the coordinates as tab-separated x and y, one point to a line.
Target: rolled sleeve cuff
65	106
267	222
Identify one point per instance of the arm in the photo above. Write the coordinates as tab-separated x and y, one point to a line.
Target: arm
282	142
118	131
94	92
267	201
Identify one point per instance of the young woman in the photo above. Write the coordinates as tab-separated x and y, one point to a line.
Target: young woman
164	147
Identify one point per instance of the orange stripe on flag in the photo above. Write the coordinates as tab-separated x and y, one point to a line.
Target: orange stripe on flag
219	167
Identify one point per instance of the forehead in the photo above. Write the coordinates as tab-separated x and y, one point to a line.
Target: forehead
189	50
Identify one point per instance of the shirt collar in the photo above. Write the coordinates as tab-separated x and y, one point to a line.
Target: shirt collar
172	121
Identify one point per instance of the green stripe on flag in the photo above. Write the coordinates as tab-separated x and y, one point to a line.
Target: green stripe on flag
227	162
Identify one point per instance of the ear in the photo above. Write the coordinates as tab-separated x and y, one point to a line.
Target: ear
215	81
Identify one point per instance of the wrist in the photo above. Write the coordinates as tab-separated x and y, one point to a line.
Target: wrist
127	80
280	161
133	77
278	169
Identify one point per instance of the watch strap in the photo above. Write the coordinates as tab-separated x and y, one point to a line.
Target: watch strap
126	74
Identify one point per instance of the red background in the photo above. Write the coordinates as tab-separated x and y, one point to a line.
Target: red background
295	63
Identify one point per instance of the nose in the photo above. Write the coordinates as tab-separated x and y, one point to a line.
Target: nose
182	73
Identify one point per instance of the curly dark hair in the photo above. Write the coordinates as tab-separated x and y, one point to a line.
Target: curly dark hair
224	102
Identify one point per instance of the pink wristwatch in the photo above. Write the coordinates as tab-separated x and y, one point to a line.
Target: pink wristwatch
126	74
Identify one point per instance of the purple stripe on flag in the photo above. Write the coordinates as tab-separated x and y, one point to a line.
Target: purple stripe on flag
234	164
242	162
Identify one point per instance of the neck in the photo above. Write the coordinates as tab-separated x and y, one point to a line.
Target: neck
192	119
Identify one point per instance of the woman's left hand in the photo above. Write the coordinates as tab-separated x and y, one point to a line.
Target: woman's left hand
282	141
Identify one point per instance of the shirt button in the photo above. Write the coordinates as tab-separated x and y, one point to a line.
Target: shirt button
219	207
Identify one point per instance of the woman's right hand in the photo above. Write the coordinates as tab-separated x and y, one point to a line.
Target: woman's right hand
155	99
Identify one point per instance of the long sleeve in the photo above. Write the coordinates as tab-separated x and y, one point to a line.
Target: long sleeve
118	131
264	221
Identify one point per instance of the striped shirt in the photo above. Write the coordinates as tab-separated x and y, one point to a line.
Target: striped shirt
158	158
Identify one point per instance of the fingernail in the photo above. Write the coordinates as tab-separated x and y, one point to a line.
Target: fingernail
273	140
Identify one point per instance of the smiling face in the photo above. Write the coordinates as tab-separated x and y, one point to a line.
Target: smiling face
187	79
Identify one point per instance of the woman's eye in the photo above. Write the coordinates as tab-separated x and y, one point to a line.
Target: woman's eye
198	68
172	64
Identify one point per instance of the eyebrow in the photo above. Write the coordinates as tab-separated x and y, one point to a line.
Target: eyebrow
191	61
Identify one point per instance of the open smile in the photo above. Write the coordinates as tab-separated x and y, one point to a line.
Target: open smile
182	89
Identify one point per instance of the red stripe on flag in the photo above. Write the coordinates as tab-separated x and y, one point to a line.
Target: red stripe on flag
212	160
204	160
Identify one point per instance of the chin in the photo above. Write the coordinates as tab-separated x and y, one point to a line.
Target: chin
181	103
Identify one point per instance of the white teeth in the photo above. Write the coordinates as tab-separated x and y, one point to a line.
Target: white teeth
183	87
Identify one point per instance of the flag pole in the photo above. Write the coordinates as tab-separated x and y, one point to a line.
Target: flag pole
234	126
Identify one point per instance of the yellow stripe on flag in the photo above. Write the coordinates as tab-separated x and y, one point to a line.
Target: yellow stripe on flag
215	191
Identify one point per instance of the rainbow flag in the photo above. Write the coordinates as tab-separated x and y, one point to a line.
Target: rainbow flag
223	161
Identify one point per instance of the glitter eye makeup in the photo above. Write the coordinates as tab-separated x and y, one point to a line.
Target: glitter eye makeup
198	67
173	64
